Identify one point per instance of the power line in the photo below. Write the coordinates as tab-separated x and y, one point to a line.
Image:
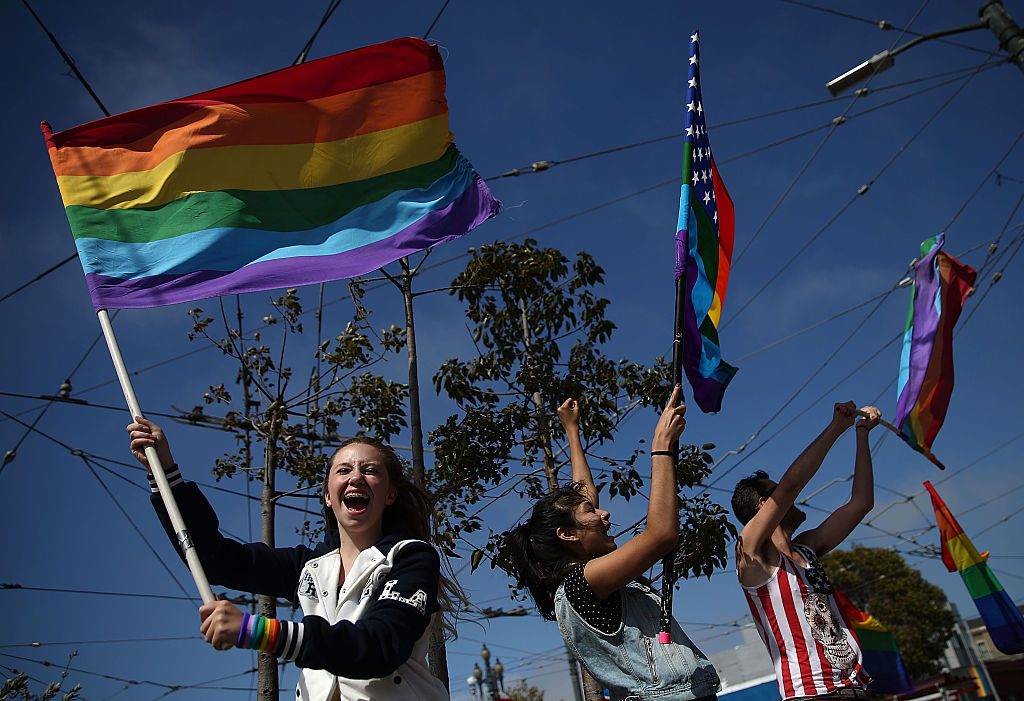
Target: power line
436	18
67	59
55	643
807	382
861	191
40	276
331	7
814	155
880	24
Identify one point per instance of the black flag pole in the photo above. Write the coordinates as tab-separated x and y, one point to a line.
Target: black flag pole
668	564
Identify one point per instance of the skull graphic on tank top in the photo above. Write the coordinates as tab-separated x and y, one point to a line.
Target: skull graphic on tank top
822	622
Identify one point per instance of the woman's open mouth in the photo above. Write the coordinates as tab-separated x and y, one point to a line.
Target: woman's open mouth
356	502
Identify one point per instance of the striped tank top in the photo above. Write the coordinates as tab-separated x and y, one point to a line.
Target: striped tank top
811	645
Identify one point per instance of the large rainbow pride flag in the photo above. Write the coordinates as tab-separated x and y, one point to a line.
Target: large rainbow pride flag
704	241
882	659
941	284
1002	618
317	172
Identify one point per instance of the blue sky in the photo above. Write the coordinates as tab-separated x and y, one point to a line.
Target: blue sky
533	81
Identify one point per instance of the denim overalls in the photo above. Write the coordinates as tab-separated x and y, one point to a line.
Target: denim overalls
631	663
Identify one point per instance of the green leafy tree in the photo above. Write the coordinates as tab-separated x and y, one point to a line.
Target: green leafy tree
916	611
294	423
539	327
523	691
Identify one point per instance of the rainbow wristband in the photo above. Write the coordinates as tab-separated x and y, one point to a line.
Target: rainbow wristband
240	641
251	631
261	630
270	639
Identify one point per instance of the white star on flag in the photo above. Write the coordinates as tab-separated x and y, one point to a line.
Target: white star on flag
694	38
707	197
693	60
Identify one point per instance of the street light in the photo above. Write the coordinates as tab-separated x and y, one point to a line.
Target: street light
499	674
993	16
491	676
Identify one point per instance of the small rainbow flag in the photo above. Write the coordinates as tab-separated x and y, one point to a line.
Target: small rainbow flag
704	240
882	659
1003	620
941	284
317	172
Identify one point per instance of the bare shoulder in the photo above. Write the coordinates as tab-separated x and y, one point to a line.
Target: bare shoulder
755	567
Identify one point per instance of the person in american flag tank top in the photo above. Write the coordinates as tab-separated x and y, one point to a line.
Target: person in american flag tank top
789	594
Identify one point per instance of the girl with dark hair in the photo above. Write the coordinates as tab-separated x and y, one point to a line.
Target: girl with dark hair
570	564
369	592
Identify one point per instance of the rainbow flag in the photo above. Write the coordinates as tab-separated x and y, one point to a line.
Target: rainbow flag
704	239
941	284
1003	620
321	171
882	659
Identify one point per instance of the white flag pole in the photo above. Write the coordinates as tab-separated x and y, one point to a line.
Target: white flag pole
184	539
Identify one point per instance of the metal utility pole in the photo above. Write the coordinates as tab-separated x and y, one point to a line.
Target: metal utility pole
963	633
577	690
1009	35
993	17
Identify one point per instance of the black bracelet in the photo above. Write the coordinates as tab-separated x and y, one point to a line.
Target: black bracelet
669	453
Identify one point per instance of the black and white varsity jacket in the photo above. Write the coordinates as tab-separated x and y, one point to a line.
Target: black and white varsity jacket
366	638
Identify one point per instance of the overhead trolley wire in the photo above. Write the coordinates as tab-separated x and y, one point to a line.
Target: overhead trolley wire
67	59
861	191
880	24
304	52
436	18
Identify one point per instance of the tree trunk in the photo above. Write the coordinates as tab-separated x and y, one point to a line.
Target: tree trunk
592	690
543	425
267	680
437	654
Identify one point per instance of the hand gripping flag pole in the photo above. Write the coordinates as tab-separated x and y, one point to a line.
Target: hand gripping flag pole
164	211
188	548
704	241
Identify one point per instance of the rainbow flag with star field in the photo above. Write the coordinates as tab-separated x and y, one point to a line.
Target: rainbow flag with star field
1002	618
704	242
925	386
317	172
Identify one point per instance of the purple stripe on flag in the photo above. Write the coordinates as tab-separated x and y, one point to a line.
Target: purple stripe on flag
471	208
925	326
707	391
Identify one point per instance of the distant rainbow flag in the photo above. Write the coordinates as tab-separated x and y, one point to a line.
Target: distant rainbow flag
941	284
704	242
317	172
882	659
1003	620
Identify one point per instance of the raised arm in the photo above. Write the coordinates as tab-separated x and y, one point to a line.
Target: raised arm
843	520
569	415
759	529
611	572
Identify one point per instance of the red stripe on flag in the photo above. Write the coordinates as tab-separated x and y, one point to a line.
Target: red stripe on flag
361	68
726	232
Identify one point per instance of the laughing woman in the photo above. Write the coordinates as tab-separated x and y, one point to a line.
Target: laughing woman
368	592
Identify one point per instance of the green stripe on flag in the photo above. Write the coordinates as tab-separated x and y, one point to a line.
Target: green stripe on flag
273	210
980	580
876	640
